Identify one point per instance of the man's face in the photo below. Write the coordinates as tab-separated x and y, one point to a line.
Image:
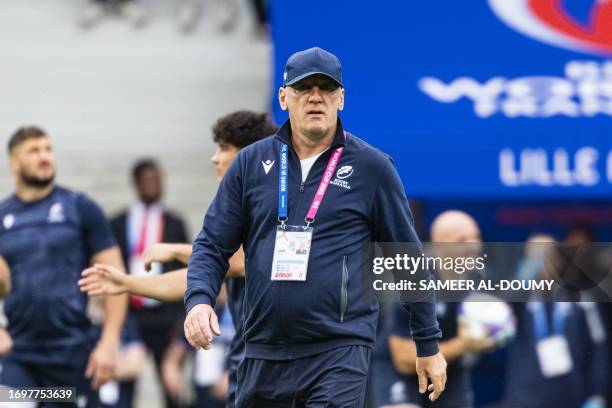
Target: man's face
149	185
33	162
223	157
313	104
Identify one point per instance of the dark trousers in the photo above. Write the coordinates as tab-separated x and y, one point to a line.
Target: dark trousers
336	378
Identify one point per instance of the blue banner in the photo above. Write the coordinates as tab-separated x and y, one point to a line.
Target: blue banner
477	99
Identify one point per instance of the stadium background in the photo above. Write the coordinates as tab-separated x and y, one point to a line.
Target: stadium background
114	93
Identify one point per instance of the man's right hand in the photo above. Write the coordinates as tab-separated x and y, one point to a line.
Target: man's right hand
431	369
103	280
200	325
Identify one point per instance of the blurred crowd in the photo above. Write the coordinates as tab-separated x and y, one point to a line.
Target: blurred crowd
188	13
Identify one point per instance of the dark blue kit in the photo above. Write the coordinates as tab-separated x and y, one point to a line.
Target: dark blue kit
47	244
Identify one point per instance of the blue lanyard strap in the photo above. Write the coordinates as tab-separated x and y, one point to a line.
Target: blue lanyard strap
540	320
282	184
320	193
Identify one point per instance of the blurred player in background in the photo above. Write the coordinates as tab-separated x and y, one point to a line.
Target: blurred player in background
559	355
400	386
48	235
231	133
137	229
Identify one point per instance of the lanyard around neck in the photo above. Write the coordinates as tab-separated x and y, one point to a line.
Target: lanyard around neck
541	327
283	193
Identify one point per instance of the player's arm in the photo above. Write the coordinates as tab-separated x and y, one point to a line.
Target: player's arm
236	265
132	361
103	359
5	278
163	252
115	307
101	248
103	279
172	369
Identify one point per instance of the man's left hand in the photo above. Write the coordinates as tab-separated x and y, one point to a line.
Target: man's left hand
431	368
102	362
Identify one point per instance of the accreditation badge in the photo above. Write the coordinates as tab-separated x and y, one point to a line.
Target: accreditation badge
554	356
291	253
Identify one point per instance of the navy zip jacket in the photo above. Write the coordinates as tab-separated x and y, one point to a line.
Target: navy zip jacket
288	319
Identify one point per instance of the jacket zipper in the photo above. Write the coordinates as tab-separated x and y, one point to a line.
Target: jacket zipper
344	290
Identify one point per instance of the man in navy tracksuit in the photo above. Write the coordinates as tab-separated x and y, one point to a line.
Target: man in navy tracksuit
303	203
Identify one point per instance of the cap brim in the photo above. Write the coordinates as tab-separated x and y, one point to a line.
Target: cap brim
309	74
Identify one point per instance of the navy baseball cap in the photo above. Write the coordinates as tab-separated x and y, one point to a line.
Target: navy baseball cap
313	61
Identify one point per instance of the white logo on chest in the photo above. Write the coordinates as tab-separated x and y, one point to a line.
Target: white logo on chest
267	165
8	221
56	213
343	173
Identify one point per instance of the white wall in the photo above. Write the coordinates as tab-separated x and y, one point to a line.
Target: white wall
115	93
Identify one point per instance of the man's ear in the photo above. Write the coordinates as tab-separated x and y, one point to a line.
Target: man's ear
282	98
341	105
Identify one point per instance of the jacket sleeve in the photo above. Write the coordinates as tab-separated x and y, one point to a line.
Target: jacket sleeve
392	222
220	237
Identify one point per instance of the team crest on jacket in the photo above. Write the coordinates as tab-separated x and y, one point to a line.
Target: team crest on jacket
56	213
342	174
8	221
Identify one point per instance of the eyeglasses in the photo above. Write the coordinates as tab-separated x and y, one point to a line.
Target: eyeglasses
325	85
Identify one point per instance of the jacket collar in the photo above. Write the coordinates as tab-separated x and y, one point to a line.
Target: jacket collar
284	134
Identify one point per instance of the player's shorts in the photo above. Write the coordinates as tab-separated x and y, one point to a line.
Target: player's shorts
336	378
18	374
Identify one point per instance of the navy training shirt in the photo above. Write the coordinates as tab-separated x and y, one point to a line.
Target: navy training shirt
47	243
